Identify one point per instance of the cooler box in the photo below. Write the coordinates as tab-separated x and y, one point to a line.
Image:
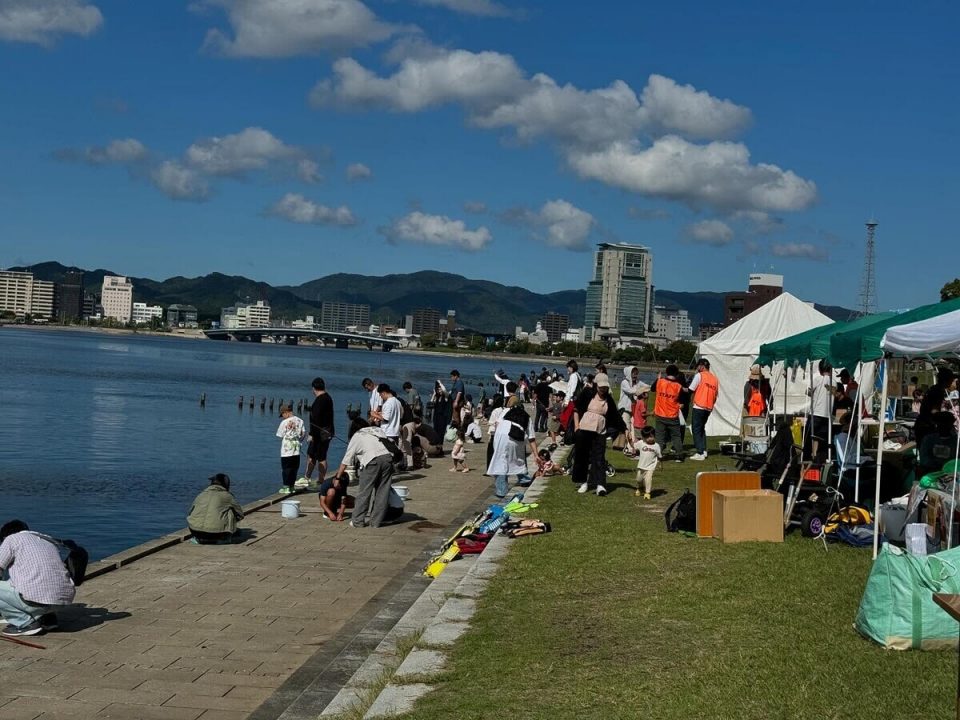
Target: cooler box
748	515
754	427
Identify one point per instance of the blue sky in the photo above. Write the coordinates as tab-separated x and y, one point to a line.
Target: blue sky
288	139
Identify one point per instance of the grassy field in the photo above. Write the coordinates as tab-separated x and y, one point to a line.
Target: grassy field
610	616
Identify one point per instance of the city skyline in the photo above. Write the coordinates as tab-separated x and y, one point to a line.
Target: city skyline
478	138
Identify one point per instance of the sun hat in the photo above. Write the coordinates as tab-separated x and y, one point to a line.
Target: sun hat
755	372
601	380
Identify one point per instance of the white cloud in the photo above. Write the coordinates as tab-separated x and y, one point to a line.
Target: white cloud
43	21
710	232
806	251
648	213
682	109
761	223
252	148
718	175
120	152
358	171
476	207
557	223
480	8
286	28
309	171
179	182
296	208
644	144
418	227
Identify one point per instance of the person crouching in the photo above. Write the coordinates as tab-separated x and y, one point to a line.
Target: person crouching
214	514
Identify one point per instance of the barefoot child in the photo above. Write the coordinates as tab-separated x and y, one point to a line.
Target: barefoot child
648	452
459	453
545	465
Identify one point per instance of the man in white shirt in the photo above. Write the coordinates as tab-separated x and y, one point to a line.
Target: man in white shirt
389	413
376	473
375	400
574	384
821	396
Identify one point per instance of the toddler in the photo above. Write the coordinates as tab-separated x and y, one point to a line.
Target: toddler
459	453
640	413
291	433
648	454
553	416
545	465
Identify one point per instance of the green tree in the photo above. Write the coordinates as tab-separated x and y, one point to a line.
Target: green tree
950	291
478	342
452	342
428	340
680	352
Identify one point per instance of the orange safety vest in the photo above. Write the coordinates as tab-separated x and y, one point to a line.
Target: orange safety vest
668	395
756	405
705	395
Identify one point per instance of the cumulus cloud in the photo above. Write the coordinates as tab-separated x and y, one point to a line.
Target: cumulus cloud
646	144
558	223
803	250
296	208
43	22
718	175
710	232
121	152
475	207
421	228
480	8
179	182
648	213
250	149
761	223
358	171
286	28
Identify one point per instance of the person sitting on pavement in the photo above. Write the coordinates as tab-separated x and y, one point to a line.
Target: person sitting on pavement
37	582
214	514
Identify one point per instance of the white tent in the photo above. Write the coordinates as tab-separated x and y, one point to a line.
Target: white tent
732	351
938	335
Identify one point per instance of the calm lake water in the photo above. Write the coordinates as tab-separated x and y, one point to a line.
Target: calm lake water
102	438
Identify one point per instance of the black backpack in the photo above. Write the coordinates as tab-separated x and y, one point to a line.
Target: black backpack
406	412
520	421
76	560
681	516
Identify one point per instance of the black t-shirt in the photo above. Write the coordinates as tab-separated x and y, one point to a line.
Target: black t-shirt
429	434
542	391
321	415
932	402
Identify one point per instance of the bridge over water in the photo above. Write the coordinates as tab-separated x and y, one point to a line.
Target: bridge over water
291	336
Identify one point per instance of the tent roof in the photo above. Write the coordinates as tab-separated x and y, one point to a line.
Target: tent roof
938	335
783	316
863	344
811	344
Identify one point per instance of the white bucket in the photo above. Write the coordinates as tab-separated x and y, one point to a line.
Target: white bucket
402	490
290	509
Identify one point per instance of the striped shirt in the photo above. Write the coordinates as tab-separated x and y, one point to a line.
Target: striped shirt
36	570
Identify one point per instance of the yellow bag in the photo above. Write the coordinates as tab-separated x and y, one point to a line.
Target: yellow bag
438	565
797	431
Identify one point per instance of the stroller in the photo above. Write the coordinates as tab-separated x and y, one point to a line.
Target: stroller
809	498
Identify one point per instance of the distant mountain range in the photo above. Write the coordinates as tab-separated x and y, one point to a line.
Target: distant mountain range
480	304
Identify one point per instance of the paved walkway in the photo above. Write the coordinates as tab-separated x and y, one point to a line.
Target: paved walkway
212	632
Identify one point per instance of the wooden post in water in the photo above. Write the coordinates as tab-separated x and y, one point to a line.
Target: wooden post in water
240	403
203	399
252	401
271	404
263	404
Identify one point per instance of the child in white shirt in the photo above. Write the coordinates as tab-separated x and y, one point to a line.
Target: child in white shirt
459	453
291	432
474	434
648	456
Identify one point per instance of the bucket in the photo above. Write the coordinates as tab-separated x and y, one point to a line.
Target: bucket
290	509
402	490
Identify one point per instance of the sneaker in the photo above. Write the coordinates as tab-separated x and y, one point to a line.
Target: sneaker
678	459
285	490
636	493
582	489
601	491
33	628
646	496
698	456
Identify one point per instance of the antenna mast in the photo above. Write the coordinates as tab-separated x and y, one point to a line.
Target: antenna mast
868	289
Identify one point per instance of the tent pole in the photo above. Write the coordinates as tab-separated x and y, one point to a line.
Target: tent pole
883	421
854	415
953	492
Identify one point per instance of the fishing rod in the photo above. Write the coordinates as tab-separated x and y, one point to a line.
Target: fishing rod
18	641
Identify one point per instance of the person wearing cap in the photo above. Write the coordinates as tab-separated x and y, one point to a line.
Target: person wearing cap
666	410
595	413
215	511
705	387
291	433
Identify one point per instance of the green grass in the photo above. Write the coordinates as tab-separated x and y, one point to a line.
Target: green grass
610	616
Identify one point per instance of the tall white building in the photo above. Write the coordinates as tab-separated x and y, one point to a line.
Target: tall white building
116	297
142	313
620	295
245	315
23	295
672	323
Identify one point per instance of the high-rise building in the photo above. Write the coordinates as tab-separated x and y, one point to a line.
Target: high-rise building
337	316
555	325
182	316
69	301
22	294
116	296
761	289
426	321
142	313
671	323
620	295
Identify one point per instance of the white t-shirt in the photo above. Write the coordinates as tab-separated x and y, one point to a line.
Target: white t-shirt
391	410
474	432
495	420
376	402
290	432
648	455
820	396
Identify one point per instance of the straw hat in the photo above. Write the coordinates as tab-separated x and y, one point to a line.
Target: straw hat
601	380
755	373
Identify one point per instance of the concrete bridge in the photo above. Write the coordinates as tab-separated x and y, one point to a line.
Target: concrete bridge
291	336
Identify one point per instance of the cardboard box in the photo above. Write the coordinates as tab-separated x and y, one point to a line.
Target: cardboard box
710	481
748	515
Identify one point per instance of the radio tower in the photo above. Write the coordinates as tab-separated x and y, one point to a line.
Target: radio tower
868	290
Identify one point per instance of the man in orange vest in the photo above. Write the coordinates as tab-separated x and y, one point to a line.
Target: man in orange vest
666	409
705	388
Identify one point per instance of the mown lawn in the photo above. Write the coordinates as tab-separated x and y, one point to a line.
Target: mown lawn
610	616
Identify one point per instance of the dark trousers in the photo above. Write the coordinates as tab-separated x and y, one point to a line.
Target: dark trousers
589	459
288	469
817	428
206	538
540	422
698	424
669	429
